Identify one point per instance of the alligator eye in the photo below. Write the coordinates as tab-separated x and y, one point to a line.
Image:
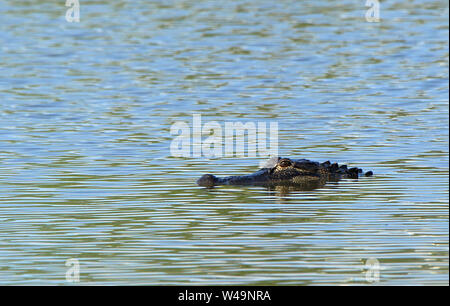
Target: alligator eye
285	163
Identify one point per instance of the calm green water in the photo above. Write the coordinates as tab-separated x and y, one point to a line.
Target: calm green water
86	171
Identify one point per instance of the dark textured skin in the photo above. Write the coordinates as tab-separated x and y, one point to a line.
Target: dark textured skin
288	172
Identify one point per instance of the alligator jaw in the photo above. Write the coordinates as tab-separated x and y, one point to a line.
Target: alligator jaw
258	178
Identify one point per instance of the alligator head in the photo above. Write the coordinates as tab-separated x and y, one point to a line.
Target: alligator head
285	171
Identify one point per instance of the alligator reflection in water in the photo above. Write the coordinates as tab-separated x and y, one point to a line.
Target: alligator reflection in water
300	174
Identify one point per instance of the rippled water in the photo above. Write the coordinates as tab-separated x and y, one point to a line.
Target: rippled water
86	171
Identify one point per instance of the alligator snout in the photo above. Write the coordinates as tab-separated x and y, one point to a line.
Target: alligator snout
207	180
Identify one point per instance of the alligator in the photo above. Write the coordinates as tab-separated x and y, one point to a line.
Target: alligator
288	172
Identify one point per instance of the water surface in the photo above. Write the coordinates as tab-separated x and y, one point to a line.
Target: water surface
86	171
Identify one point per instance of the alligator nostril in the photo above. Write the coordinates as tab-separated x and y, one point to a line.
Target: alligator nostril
207	180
